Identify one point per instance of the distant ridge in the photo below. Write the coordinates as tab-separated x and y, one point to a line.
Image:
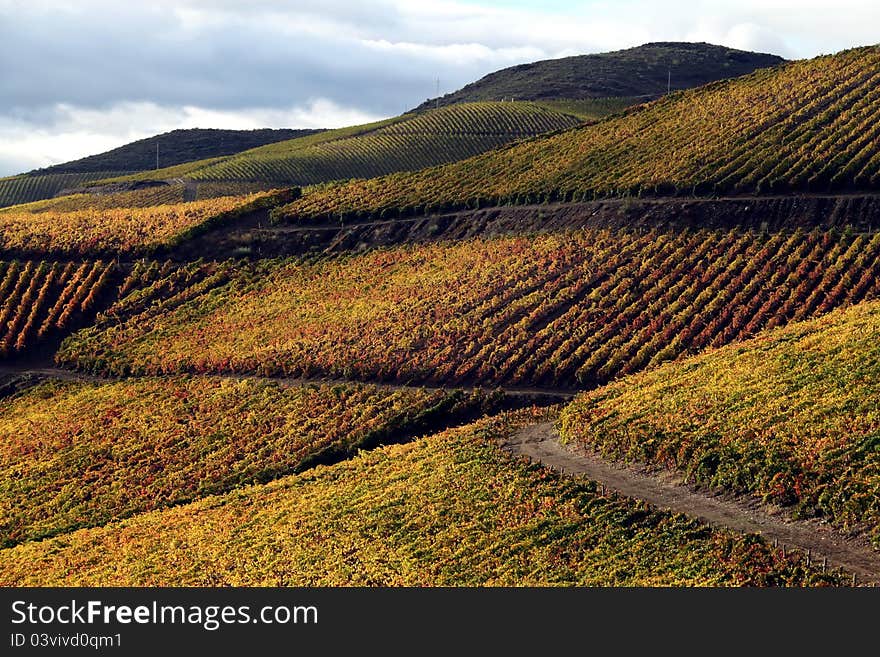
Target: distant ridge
176	147
641	71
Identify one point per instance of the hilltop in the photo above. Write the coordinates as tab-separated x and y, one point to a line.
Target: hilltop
632	74
807	126
175	147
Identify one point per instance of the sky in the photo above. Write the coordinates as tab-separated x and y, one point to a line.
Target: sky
79	77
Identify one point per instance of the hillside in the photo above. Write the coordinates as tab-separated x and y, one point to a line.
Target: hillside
84	225
175	147
791	416
195	436
450	509
645	71
28	188
41	301
561	310
495	343
404	143
808	126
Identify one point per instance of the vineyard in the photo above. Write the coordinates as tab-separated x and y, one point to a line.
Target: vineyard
34	187
591	109
97	229
142	198
563	310
153	443
179	408
808	126
406	143
44	299
791	416
451	509
165	194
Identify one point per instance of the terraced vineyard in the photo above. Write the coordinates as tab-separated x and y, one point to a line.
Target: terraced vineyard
406	143
43	299
568	310
791	415
164	194
98	228
451	509
154	443
592	109
27	188
225	421
808	126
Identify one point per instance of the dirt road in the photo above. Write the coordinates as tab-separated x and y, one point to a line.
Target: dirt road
665	490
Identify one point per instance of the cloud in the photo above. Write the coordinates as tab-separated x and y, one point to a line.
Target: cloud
66	132
243	61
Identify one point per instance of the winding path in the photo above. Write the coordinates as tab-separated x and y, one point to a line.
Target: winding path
665	490
531	395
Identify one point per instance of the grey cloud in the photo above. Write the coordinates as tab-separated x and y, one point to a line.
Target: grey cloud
99	58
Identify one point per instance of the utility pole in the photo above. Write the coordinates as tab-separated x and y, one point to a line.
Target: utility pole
669	83
157	156
437	97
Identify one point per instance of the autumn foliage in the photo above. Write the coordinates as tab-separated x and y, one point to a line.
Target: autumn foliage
808	126
569	310
451	509
81	454
791	416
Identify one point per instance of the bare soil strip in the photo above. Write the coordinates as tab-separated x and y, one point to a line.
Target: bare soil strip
532	395
666	490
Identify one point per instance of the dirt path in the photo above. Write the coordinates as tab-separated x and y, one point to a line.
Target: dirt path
544	396
540	442
190	191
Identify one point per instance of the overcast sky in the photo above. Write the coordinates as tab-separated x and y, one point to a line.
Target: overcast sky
81	76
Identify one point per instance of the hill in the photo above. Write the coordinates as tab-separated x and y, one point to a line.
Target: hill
175	147
235	433
807	126
633	74
97	229
404	143
564	310
791	416
28	188
450	509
